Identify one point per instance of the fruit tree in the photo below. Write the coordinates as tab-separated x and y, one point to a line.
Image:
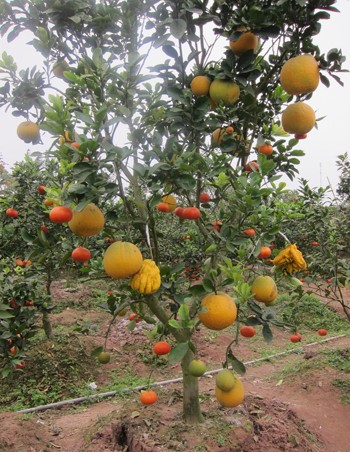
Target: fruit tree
126	117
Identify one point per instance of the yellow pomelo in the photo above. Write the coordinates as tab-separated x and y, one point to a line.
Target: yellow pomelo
264	289
200	85
246	41
219	311
217	136
232	398
88	222
225	380
122	259
298	118
28	131
224	91
171	201
300	75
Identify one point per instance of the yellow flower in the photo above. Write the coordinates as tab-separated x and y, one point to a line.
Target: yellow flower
290	260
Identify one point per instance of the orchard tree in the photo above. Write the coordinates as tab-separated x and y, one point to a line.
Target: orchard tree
147	106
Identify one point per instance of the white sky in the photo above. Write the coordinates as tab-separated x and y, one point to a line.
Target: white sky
322	145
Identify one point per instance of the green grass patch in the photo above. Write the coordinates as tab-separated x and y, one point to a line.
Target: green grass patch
338	359
344	388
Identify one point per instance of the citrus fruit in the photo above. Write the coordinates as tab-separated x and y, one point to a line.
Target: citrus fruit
322	332
197	367
217	136
249	232
264	289
60	214
122	259
219	312
265	149
224	91
251	166
265	252
204	197
59	67
163	207
87	222
225	380
298	118
200	85
295	338
300	75
247	331
161	348
190	213
81	254
148	397
11	212
246	41
232	398
171	201
104	357
42	190
28	131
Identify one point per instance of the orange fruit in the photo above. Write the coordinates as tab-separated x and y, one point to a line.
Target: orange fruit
163	207
264	289
229	130
300	75
247	331
28	131
246	41
11	212
251	166
224	91
295	338
219	311
48	202
161	348
265	149
87	222
249	232
232	398
190	213
298	118
322	332
265	252
171	201
148	397
42	190
60	214
200	85
204	197
81	254
122	259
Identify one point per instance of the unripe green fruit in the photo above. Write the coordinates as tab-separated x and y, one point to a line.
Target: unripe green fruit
104	357
225	380
197	367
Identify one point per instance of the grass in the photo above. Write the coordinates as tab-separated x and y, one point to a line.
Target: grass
343	385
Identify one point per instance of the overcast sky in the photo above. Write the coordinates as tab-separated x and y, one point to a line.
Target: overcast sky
322	145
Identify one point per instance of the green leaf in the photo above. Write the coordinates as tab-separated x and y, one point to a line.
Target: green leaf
267	333
96	351
27	237
178	352
184	312
174	324
236	365
178	28
170	51
6	315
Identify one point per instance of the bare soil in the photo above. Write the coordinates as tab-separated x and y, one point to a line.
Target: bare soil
303	413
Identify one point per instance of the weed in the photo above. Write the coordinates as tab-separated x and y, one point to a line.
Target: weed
344	388
338	358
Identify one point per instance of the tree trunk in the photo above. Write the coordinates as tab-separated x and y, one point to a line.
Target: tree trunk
47	325
191	408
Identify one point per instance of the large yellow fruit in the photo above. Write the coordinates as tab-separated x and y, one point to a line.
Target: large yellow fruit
232	398
225	380
246	41
88	222
219	312
28	131
300	75
298	118
59	67
264	289
122	259
224	91
171	201
200	85
217	136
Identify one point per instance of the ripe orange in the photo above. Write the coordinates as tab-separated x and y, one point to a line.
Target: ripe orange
170	201
200	85
265	252
224	91
249	232
298	118
87	222
251	166
300	75
48	202
60	214
229	130
295	338
81	254
122	259
75	144
163	207
247	331
265	149
161	348
217	225
322	332
134	316
148	397
246	41
204	197
232	398
19	262
41	190
28	131
44	228
11	212
219	311
190	213
264	289
179	212
314	243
